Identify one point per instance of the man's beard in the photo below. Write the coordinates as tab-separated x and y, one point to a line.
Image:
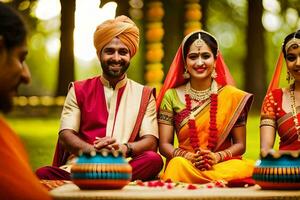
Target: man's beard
6	103
114	74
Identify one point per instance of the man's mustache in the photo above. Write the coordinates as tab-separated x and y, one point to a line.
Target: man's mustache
116	62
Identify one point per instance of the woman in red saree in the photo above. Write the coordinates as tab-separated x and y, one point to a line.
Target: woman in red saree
280	110
208	114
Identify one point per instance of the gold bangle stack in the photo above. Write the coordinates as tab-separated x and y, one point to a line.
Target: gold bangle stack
224	155
268	122
228	153
179	152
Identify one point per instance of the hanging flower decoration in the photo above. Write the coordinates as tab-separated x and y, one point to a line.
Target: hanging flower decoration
135	10
193	16
154	48
155	32
155	11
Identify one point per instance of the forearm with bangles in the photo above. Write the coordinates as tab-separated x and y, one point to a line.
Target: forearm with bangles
224	155
181	153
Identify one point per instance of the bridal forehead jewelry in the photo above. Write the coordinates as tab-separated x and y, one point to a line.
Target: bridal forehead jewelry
293	41
199	42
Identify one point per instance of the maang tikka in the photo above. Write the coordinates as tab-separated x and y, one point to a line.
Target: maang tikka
198	43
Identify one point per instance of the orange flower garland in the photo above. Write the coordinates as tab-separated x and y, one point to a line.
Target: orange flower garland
192	16
135	10
154	48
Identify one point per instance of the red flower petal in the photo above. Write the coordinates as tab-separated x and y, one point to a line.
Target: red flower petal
191	187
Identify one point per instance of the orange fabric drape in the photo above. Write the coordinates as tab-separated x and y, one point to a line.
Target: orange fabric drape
276	75
17	179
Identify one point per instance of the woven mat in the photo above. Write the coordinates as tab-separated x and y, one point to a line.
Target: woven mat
136	192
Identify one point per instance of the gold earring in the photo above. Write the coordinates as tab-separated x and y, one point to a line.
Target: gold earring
214	73
288	77
186	74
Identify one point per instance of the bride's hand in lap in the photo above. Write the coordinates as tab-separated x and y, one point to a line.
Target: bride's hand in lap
199	161
205	160
190	156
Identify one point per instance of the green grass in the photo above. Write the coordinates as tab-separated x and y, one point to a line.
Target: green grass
40	136
252	149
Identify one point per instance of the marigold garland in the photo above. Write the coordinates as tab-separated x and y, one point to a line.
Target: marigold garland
192	16
154	52
213	131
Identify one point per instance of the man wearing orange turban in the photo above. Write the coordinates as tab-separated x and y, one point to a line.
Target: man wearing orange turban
109	111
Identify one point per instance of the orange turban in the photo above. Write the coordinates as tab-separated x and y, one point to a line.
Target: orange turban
121	27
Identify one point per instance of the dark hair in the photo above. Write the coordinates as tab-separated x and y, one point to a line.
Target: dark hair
12	27
208	39
288	38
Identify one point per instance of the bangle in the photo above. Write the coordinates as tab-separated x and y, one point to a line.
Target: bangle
220	153
228	153
174	154
225	155
179	152
129	150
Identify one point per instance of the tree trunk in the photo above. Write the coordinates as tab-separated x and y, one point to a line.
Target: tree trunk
204	7
66	71
174	26
255	64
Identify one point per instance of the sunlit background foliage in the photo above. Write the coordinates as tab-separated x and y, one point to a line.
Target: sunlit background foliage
227	19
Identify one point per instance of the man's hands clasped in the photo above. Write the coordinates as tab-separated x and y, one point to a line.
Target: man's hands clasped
108	143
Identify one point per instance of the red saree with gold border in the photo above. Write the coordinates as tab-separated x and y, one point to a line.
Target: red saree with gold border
282	121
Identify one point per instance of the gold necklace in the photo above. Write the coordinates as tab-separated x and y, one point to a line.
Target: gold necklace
294	110
198	95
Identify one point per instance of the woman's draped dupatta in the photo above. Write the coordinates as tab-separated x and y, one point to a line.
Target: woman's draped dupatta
274	83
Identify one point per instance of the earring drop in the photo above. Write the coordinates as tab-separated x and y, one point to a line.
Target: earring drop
186	75
288	77
214	74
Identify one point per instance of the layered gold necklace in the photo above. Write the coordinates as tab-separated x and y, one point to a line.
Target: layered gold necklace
294	109
197	95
